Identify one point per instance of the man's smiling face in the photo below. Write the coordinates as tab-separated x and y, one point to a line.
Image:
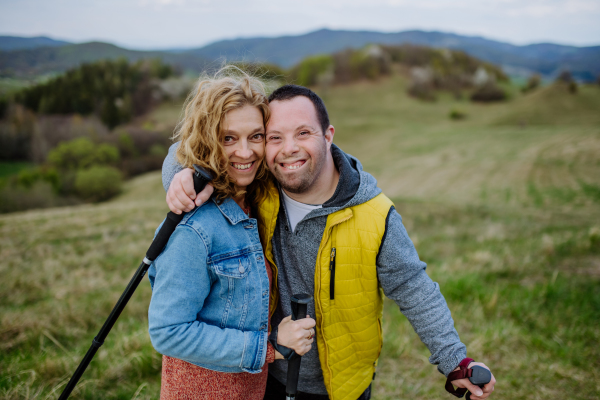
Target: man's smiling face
296	147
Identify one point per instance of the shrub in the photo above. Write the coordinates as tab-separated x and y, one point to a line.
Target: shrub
422	91
28	177
98	183
308	72
126	145
533	83
457	115
143	139
39	195
17	131
82	153
158	150
565	77
3	106
573	87
488	93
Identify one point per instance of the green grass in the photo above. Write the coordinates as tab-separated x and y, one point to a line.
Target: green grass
506	215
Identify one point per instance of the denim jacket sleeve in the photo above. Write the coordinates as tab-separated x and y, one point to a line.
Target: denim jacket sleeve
181	285
404	280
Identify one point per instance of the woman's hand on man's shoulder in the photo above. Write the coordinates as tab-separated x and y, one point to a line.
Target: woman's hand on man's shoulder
181	196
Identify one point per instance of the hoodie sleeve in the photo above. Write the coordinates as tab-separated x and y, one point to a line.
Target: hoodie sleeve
403	279
170	167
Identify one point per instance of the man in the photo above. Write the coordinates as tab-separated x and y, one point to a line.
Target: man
336	236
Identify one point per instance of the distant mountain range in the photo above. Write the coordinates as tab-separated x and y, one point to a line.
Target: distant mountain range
8	43
545	58
33	62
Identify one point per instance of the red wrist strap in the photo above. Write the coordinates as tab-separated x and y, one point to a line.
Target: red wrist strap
462	373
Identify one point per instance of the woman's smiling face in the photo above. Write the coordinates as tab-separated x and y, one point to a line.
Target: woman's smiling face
244	143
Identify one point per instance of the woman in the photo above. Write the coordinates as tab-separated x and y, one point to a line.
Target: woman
209	313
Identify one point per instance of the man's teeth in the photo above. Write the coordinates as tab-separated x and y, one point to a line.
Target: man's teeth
242	166
292	166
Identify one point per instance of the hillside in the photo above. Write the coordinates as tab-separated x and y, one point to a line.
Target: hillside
504	214
8	43
32	62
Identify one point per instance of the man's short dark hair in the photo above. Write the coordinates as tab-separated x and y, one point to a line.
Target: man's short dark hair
288	92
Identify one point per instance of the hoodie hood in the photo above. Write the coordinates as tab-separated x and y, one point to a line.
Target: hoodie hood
354	187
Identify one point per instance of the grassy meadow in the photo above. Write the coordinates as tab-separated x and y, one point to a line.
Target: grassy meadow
504	206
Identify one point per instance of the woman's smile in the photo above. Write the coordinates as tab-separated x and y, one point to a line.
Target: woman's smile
241	166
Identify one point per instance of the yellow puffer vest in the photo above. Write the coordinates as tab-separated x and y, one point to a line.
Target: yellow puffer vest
267	220
349	336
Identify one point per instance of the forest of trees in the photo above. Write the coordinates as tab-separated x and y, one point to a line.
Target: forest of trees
113	90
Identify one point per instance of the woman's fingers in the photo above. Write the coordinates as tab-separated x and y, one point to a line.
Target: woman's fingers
306	323
304	349
297	335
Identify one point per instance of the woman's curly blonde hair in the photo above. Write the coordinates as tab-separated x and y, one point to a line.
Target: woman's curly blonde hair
200	129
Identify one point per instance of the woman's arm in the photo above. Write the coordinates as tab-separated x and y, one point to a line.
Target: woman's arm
181	286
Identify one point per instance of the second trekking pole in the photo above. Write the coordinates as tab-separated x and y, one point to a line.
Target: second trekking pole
299	306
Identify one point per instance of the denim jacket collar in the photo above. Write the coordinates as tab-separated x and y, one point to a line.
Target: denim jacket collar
230	210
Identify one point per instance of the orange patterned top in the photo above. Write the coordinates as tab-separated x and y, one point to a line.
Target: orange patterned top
184	381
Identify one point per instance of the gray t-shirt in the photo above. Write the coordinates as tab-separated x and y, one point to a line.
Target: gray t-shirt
296	211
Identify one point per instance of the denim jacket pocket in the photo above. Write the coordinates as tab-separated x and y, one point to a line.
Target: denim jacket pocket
232	274
235	267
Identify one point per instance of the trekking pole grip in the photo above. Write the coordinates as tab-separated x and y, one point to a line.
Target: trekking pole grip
299	310
480	377
201	179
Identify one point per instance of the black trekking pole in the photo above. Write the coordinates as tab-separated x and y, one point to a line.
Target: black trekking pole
201	178
480	377
299	306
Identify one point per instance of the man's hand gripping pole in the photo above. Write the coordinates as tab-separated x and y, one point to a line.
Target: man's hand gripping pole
299	306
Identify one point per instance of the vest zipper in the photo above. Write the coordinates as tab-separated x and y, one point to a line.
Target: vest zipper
318	280
332	278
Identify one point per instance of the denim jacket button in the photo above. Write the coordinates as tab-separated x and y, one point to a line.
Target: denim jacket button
265	293
241	269
258	258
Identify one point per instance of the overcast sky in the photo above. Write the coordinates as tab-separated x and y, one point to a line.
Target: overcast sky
155	24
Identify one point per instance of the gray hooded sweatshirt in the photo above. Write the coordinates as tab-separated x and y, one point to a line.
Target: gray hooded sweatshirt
400	271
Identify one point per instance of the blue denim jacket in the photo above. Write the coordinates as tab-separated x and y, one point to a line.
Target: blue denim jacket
210	291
